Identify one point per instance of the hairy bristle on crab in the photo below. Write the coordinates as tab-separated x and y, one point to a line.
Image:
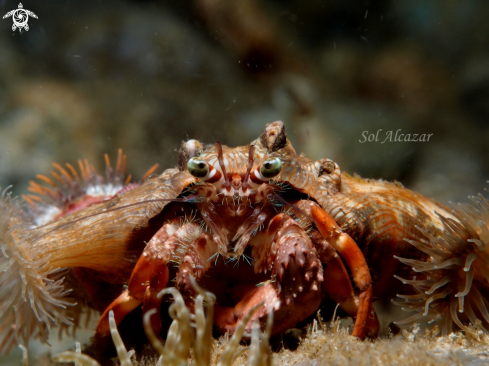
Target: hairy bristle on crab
453	285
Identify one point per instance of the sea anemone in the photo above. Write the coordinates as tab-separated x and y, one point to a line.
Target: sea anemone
31	292
33	296
69	192
453	286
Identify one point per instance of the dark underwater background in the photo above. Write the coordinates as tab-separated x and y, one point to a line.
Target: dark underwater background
94	76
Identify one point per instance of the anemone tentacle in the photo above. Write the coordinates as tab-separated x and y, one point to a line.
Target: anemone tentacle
32	295
453	285
71	190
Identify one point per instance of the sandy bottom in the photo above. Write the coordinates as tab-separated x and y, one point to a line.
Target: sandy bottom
331	344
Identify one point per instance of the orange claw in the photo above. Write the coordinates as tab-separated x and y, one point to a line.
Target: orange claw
353	256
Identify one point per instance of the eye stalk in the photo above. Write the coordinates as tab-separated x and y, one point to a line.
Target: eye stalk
271	168
198	167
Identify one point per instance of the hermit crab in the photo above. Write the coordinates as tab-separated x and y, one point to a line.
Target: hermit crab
252	224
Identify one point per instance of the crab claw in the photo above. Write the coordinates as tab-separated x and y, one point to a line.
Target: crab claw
294	291
285	316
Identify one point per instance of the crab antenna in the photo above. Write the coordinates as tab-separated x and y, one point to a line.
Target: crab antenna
221	163
183	199
250	166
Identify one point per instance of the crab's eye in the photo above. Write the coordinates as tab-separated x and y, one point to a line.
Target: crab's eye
197	167
271	168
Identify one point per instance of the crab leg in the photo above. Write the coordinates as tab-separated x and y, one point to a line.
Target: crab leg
354	258
121	306
195	263
338	285
151	274
147	265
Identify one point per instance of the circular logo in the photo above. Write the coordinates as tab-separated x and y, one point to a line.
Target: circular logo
20	17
